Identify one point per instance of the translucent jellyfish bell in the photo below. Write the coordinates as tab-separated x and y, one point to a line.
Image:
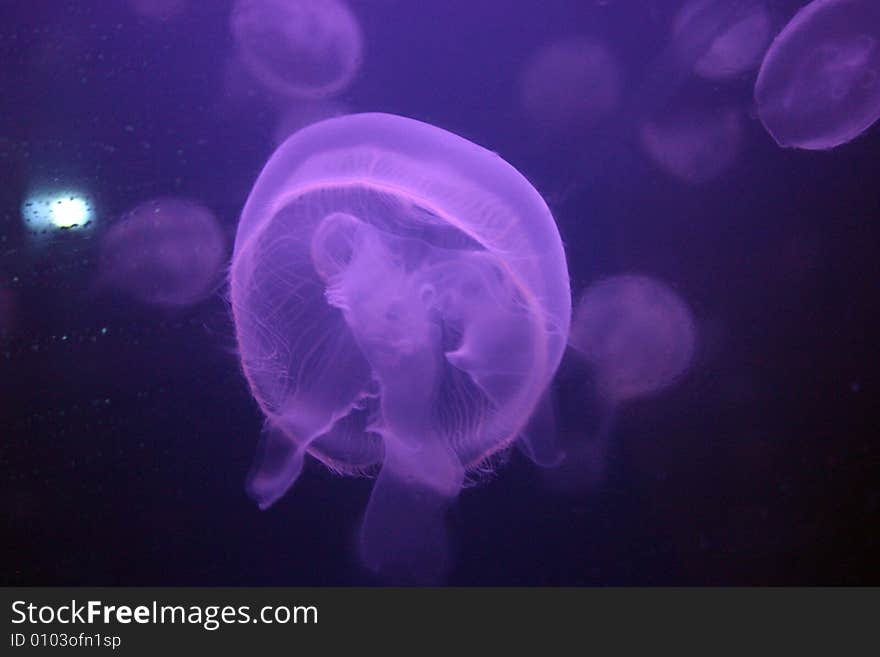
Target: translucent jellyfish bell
165	252
739	40
818	86
401	301
300	48
639	338
571	83
694	146
636	332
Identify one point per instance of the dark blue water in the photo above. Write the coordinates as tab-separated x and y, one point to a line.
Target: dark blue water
127	431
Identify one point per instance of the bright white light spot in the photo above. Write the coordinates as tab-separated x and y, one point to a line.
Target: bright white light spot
45	212
69	212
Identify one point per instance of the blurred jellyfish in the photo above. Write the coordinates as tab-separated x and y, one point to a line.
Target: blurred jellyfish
160	10
401	301
571	83
165	252
302	114
300	48
694	146
639	338
818	86
737	41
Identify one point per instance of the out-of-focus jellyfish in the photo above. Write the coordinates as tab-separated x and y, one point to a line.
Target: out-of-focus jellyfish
819	86
300	48
694	146
639	338
738	38
298	116
160	10
571	83
401	301
166	252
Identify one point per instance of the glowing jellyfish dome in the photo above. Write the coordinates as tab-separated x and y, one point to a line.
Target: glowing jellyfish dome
694	146
571	83
401	302
165	252
300	48
740	37
818	86
636	332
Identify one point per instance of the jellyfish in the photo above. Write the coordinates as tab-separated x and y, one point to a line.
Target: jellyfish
738	38
818	86
694	146
638	336
571	83
165	252
400	298
299	48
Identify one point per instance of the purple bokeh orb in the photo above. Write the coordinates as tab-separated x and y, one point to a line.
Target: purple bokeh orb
401	302
299	48
165	252
694	146
740	38
637	333
818	86
571	83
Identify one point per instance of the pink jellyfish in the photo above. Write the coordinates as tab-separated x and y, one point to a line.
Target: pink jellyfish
571	83
300	48
165	252
401	302
694	146
639	338
818	87
739	40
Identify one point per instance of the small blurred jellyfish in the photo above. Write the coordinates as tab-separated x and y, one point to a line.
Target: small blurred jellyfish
639	338
818	86
49	211
304	113
298	48
160	10
694	146
165	252
738	38
571	83
401	302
